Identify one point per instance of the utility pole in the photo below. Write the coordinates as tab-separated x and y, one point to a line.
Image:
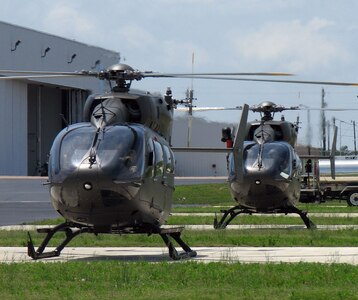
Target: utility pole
354	134
323	123
189	99
328	134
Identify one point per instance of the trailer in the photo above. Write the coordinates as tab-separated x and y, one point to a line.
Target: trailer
317	185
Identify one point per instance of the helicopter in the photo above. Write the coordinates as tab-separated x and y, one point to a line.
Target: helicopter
114	172
264	170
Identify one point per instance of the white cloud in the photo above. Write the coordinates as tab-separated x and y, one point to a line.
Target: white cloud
294	45
134	35
67	21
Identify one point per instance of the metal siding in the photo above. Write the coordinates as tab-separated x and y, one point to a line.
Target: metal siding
19	125
197	164
13	94
33	43
13	130
204	134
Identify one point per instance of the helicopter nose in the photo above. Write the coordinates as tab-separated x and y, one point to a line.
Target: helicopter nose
90	196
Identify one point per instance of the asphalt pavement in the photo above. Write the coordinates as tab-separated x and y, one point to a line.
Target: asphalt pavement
24	199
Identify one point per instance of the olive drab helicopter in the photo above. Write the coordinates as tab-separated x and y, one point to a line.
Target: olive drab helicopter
264	170
114	173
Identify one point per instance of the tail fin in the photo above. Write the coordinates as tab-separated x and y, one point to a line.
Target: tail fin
333	153
239	143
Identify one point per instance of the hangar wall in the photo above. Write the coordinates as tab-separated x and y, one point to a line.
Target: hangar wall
30	109
13	133
204	134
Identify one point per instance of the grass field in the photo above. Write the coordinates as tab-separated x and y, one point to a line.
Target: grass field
191	280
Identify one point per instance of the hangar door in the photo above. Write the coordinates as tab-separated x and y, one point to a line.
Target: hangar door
49	109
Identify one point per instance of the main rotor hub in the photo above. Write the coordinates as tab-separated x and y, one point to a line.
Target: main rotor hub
120	68
122	74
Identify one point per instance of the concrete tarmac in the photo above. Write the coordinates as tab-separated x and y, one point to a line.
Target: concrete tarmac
327	255
206	227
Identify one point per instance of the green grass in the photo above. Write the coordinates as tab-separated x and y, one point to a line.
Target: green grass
241	219
196	238
330	207
262	220
141	280
208	194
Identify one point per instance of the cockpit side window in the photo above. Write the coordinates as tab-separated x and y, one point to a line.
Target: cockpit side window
120	152
159	159
74	147
149	172
169	160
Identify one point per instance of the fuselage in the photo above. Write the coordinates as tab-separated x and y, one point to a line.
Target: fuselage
271	167
110	172
274	184
129	181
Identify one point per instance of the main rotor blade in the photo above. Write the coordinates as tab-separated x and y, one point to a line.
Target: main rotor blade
195	75
35	76
208	108
44	74
252	108
276	80
327	109
41	72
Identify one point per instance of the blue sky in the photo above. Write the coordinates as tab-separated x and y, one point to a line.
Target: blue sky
316	39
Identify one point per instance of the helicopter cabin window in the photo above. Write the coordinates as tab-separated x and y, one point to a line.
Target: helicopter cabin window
149	171
169	159
159	159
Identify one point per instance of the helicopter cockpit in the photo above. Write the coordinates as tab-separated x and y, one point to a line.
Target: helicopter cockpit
118	151
271	159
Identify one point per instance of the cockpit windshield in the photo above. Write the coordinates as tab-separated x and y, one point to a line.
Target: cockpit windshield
121	152
275	159
118	151
74	146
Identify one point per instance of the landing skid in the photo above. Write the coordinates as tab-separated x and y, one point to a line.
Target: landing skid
230	214
72	230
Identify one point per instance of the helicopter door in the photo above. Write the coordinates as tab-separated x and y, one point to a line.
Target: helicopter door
159	193
168	178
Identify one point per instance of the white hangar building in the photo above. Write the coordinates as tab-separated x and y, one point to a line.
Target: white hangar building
30	110
203	134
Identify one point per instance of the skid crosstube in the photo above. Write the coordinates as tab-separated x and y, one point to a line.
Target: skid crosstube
72	230
230	214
